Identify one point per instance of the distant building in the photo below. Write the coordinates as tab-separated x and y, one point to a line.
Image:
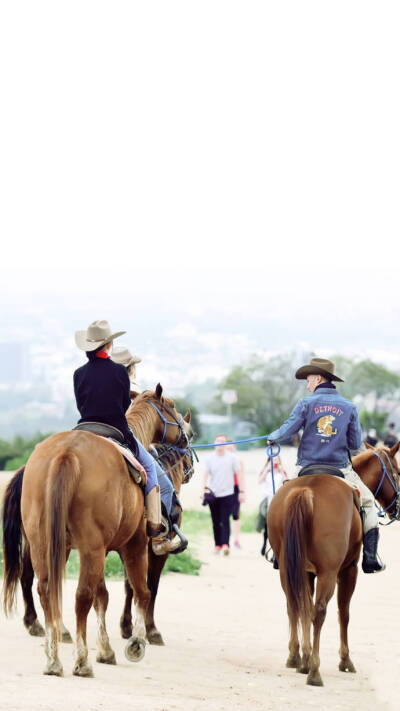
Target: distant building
212	425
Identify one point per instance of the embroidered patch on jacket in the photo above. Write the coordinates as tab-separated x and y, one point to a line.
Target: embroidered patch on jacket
324	426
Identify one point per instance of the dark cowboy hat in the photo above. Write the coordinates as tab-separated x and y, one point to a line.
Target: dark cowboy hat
318	366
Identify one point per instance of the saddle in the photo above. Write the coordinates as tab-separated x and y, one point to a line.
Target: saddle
333	471
116	438
321	469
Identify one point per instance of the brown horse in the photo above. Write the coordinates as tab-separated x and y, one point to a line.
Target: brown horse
77	493
178	464
315	531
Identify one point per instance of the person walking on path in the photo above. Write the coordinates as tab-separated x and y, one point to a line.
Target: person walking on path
239	497
331	428
221	467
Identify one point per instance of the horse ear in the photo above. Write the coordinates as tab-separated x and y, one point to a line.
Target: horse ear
158	391
134	394
188	416
395	449
367	445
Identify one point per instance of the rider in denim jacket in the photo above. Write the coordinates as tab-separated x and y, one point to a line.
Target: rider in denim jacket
331	428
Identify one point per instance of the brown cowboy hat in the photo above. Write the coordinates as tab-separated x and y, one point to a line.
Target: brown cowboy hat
98	334
318	366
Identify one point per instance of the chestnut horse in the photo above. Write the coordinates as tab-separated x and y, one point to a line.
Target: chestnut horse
315	532
77	493
178	463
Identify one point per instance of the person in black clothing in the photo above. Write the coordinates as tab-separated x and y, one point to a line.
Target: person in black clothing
102	392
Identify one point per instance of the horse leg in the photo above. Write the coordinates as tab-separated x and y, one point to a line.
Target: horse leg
105	654
304	667
91	573
325	589
65	635
54	666
31	621
155	566
125	622
134	555
346	583
293	661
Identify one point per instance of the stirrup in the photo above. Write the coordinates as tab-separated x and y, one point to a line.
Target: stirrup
168	546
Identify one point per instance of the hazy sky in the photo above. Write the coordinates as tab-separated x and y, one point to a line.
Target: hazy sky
213	162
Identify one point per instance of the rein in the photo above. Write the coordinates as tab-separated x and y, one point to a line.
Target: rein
175	423
394	481
171	449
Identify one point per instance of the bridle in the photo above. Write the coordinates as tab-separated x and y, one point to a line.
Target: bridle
176	423
393	479
170	452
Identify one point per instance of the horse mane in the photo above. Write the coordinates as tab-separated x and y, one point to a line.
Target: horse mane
141	418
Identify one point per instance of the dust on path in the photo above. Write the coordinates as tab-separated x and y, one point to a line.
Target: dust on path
226	646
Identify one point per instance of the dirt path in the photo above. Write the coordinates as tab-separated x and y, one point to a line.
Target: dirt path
226	637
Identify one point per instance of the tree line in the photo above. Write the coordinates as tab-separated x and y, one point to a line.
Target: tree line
267	390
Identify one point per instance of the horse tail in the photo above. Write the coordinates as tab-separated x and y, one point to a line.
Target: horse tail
293	565
63	476
12	539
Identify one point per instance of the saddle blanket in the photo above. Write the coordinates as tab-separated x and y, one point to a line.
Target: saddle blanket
135	468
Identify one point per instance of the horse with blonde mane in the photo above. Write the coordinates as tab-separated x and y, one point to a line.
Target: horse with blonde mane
77	493
315	532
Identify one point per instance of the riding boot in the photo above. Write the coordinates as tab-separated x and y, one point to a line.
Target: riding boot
371	562
175	541
152	501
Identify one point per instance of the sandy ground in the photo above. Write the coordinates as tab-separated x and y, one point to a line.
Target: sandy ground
226	643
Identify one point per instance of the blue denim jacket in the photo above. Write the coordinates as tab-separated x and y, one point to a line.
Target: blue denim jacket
330	427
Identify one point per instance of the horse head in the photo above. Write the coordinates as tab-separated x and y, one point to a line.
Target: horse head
171	426
379	470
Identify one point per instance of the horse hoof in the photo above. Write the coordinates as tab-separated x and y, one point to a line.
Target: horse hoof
66	637
347	666
126	632
155	637
36	629
84	670
106	659
314	679
135	649
293	662
54	669
303	669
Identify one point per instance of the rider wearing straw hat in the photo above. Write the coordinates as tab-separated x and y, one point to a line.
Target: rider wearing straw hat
102	392
331	427
123	356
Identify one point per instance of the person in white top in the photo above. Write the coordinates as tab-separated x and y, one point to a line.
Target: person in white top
265	478
239	496
221	467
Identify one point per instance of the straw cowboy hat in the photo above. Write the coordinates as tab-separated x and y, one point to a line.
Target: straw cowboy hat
98	334
318	366
123	356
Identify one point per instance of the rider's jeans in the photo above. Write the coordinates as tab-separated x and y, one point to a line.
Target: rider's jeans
370	518
155	475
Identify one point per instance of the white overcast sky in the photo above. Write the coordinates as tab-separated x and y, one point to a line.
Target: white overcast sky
237	154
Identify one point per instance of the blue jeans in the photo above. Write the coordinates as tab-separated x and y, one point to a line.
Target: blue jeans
155	475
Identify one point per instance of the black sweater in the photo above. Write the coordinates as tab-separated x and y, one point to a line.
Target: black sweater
102	392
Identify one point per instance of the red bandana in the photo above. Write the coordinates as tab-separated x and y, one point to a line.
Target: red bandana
102	354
